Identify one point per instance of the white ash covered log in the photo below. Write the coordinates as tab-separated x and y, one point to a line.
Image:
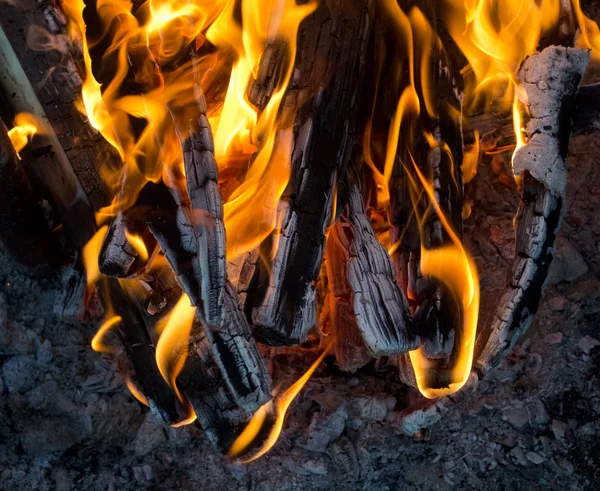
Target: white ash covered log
548	87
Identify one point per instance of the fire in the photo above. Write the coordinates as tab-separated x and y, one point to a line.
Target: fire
97	341
281	406
90	255
138	244
172	348
25	127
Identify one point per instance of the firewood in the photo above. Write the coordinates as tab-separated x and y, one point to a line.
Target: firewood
206	217
118	256
202	382
380	307
38	87
139	347
498	122
24	230
241	273
549	81
329	73
437	316
348	345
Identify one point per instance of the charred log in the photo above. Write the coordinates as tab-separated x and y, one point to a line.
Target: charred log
24	230
550	80
330	63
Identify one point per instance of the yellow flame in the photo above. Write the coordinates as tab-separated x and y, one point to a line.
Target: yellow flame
470	160
451	265
135	392
90	255
25	127
496	37
172	348
250	432
97	341
282	404
138	245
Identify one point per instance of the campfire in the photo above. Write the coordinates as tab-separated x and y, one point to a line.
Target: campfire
229	181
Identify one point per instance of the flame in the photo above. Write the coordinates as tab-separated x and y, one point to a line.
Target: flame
282	404
451	265
138	245
135	392
90	255
470	160
97	340
172	348
25	127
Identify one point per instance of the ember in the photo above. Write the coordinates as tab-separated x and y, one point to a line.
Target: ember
287	176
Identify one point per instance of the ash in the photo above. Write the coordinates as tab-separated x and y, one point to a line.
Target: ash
68	422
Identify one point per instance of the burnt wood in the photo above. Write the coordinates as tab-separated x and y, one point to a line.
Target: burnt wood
330	65
379	305
24	230
550	80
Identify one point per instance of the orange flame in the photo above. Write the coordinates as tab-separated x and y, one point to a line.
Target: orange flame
135	392
452	265
25	127
90	255
97	341
282	404
172	348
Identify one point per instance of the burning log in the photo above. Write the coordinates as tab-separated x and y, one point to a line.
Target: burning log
139	347
192	236
379	306
126	248
430	147
499	124
330	65
24	230
549	83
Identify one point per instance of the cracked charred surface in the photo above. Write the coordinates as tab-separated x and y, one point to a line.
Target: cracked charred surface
330	67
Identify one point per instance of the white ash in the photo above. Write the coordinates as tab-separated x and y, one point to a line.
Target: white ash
549	80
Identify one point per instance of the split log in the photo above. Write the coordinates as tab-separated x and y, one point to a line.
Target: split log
433	142
48	88
139	347
329	67
192	236
201	380
549	80
24	230
348	345
120	258
379	305
206	217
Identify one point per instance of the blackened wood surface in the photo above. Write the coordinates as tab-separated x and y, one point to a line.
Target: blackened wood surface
55	78
330	64
379	305
24	230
